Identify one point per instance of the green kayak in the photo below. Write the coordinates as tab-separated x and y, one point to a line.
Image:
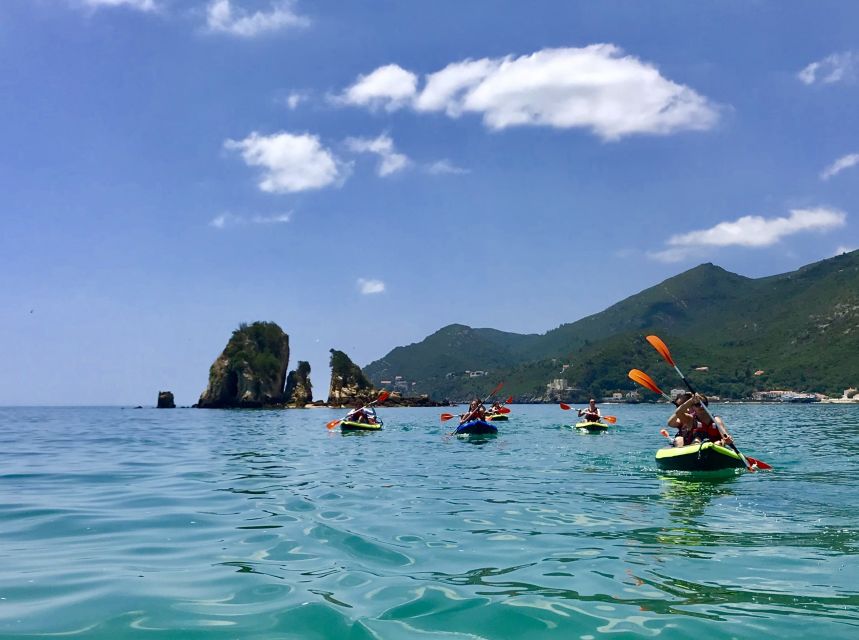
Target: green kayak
359	426
698	457
592	427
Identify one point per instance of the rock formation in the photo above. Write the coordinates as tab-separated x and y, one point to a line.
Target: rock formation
165	400
299	391
251	371
348	382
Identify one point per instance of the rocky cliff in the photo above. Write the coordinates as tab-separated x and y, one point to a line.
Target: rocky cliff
299	391
251	371
348	382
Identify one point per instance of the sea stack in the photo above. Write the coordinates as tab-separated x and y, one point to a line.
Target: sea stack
165	400
251	371
299	391
348	382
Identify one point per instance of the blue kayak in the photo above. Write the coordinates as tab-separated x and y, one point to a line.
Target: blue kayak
476	426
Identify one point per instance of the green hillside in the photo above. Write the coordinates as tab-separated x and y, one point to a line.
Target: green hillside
800	328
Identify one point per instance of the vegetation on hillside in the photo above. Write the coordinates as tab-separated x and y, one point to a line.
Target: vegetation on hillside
798	331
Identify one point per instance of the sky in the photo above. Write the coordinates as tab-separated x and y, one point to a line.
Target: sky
365	173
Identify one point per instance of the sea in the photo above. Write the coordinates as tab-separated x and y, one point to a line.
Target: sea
118	523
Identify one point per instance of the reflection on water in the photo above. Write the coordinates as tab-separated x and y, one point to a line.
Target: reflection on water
264	524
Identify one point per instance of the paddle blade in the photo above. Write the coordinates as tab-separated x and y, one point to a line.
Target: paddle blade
760	464
644	380
496	389
665	433
565	407
508	400
610	419
660	346
383	396
504	410
333	424
446	416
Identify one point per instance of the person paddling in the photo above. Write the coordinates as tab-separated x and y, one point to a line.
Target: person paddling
694	423
362	415
476	411
592	413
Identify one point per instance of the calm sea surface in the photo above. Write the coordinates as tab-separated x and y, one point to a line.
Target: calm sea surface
123	523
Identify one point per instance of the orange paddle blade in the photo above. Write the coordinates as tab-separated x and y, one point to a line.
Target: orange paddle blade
565	407
446	416
665	433
383	396
660	346
333	424
644	380
496	389
610	419
508	400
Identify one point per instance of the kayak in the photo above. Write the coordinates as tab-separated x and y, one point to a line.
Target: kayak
497	417
592	427
698	457
346	425
476	427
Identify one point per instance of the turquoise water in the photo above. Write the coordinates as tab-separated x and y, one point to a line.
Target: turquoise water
122	523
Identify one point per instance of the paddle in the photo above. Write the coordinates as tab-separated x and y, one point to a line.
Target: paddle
662	348
384	395
609	419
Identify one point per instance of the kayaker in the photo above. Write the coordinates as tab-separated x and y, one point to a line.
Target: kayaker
476	411
591	414
683	424
496	408
362	414
696	424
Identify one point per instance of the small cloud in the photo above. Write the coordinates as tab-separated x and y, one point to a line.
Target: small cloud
383	146
840	165
290	162
368	287
228	219
294	99
391	87
844	249
445	167
838	67
221	17
140	5
750	231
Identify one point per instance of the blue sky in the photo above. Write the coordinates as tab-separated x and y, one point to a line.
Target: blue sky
364	173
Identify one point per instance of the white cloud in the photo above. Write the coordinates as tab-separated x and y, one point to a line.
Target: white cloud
595	87
221	17
390	87
834	68
294	99
229	219
140	5
383	146
750	231
290	162
368	287
445	166
840	165
844	249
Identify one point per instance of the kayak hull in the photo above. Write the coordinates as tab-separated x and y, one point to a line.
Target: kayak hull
498	417
592	427
359	426
476	427
698	457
